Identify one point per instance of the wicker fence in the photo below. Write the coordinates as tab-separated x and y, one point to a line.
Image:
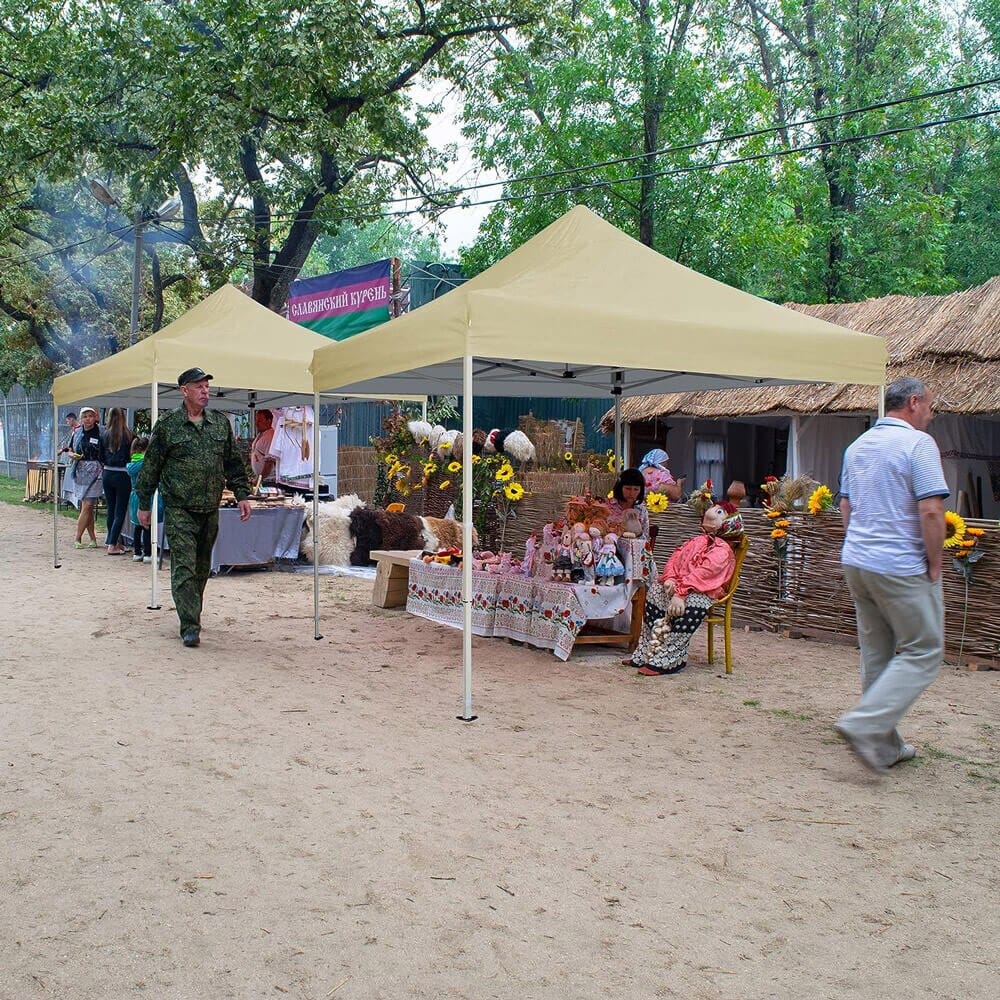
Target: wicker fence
806	591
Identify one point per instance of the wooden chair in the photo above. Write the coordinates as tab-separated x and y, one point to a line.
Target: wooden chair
721	612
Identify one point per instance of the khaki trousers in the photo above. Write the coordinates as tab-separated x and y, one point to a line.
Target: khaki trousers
901	634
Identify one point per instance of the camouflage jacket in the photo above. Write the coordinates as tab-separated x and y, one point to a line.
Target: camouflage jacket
191	464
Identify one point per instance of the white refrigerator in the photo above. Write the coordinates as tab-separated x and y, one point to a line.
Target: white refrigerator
328	458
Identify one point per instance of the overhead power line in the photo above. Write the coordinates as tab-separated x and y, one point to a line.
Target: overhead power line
375	214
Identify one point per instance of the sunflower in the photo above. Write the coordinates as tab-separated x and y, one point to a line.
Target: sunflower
975	532
444	446
444	485
567	456
390	458
821	499
773	513
476	459
505	472
656	503
968	543
612	464
778	533
782	522
955	530
513	491
454	467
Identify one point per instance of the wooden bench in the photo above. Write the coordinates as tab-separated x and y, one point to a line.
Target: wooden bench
597	635
392	576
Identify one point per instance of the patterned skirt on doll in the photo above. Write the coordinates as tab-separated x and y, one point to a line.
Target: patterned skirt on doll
663	641
609	565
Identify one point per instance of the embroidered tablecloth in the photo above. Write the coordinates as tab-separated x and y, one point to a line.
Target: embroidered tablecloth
543	613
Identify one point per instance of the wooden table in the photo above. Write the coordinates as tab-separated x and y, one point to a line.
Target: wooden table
392	575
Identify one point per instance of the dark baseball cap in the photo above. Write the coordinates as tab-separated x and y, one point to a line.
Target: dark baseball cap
193	375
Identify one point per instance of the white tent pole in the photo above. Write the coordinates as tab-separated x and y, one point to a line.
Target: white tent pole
881	401
618	433
315	525
154	507
792	460
467	467
55	484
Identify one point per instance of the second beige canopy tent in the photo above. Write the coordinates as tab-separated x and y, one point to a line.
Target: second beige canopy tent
581	309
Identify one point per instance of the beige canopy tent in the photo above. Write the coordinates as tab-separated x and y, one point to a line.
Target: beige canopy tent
581	309
254	355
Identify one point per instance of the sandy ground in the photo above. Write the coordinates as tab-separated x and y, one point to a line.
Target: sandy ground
273	816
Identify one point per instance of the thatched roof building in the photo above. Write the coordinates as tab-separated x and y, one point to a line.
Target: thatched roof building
950	341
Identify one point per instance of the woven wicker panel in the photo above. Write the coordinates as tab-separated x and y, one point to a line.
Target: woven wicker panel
545	500
814	596
356	471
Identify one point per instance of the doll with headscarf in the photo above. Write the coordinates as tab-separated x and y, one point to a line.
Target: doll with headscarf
696	576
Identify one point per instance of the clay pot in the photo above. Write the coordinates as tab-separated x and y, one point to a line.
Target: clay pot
737	491
674	491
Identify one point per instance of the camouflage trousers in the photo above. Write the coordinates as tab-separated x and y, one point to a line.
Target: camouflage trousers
191	535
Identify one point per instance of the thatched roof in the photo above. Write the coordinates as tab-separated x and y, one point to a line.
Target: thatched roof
952	342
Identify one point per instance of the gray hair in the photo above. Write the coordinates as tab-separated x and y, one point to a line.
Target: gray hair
898	393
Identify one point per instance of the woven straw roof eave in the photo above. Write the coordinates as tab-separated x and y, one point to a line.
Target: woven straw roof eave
960	325
950	341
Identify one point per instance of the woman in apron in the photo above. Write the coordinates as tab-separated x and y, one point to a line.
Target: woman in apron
87	473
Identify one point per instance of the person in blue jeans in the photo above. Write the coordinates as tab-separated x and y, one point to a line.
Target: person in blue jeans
116	449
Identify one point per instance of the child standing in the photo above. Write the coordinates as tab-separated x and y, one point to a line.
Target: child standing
142	546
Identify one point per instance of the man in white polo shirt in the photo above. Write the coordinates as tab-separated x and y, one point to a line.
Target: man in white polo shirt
893	491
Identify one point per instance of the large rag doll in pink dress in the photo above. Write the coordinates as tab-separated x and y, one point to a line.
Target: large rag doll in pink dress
695	577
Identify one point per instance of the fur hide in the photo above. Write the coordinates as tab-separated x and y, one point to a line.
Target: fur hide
478	440
367	535
335	542
399	530
421	431
515	444
444	533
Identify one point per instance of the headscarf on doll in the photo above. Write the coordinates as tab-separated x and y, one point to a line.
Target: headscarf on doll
654	469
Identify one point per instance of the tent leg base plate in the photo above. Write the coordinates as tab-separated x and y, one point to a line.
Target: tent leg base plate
466	718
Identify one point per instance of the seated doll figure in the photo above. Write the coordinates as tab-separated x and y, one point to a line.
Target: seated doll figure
678	602
609	565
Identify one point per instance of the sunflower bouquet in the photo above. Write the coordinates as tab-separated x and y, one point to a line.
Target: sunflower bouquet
962	541
494	488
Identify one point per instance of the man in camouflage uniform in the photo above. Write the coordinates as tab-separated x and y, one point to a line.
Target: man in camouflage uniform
191	456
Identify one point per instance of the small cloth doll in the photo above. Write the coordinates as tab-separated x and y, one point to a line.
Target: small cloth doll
609	565
631	524
583	555
530	552
562	563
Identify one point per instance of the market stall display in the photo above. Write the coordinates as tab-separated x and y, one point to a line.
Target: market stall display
529	608
273	532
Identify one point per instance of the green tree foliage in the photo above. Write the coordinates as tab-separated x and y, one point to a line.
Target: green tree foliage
292	118
844	220
354	245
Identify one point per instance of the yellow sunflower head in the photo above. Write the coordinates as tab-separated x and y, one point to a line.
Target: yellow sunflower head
955	530
444	485
513	491
779	533
656	503
567	456
454	467
505	472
